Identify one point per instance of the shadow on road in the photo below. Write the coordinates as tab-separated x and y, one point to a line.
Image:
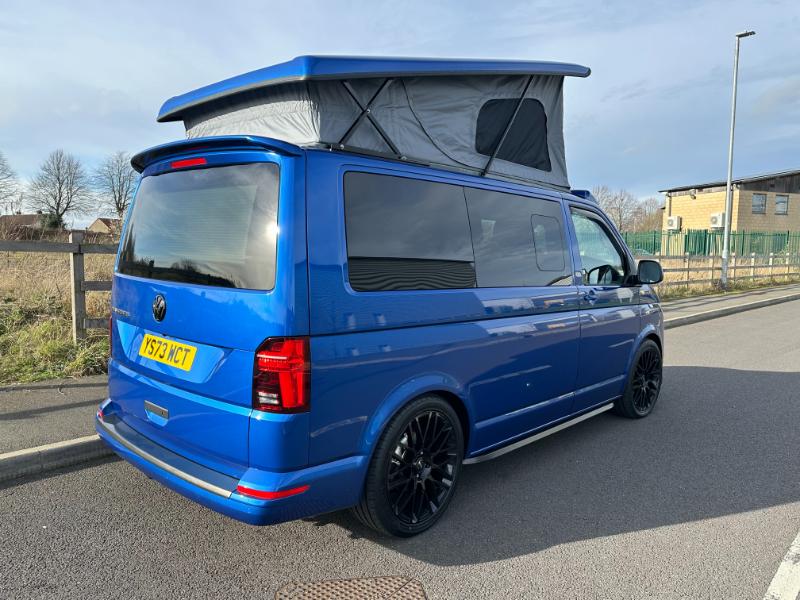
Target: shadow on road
33	412
720	441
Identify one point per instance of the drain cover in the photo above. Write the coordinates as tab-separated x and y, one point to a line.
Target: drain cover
377	588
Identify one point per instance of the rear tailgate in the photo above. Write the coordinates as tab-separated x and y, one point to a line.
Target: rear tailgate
198	288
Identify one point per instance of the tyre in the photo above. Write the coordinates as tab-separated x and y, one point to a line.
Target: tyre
413	473
644	383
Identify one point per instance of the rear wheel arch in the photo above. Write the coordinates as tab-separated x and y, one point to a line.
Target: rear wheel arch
453	399
436	384
458	406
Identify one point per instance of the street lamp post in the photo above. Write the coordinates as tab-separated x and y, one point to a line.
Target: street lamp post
726	238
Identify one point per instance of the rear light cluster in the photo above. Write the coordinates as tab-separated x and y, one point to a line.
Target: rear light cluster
281	382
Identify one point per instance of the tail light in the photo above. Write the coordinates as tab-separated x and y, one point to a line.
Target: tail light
188	162
281	382
111	335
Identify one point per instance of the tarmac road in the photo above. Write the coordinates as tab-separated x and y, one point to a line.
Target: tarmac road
700	500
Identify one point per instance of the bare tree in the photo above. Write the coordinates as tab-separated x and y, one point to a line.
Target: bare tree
114	181
648	215
9	187
61	187
619	205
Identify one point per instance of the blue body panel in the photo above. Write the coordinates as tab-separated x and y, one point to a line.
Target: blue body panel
513	361
305	68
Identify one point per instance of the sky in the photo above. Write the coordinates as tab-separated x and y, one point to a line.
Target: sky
89	77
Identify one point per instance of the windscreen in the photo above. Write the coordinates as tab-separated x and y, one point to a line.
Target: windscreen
215	226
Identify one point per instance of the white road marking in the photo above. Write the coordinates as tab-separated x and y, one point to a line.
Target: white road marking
786	583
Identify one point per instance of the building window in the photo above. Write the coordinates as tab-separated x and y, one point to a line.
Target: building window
759	204
781	204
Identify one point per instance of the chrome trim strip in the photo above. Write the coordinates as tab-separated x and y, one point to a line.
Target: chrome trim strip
537	436
209	487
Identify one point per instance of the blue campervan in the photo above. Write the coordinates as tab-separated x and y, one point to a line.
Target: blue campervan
356	276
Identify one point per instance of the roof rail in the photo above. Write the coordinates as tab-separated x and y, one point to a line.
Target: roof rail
584	195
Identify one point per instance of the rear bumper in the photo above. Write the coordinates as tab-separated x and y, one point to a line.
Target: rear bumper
331	486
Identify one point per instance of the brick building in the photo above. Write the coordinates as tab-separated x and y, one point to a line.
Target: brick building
769	202
105	226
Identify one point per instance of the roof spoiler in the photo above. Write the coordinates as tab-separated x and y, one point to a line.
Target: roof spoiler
201	145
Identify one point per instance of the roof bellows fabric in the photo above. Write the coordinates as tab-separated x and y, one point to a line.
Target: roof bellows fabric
502	119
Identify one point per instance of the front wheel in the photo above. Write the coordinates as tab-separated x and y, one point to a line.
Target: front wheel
644	383
413	472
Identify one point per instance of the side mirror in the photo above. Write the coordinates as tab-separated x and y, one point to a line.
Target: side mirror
649	271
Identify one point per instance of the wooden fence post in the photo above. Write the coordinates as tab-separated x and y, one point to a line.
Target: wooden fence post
711	269
78	294
686	265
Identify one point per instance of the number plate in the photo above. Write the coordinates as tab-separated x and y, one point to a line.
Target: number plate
168	352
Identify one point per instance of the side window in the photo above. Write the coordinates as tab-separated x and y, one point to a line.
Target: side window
518	240
406	234
601	260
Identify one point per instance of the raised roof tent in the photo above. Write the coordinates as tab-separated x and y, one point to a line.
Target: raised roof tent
498	118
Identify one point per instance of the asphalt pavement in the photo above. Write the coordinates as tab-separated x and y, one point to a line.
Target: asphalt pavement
33	414
700	500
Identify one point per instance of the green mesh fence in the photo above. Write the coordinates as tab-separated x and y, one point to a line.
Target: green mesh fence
702	242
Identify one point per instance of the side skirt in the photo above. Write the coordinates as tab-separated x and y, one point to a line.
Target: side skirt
537	436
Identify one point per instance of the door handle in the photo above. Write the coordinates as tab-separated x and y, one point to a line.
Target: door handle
590	296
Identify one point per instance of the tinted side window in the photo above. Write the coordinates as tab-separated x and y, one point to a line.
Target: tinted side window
406	234
518	240
526	142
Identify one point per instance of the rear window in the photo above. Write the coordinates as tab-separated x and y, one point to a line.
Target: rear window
213	226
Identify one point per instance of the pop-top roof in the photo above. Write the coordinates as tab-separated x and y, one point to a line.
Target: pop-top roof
309	68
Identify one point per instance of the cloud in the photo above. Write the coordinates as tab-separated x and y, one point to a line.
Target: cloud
89	76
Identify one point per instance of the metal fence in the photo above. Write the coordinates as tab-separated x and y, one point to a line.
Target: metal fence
703	242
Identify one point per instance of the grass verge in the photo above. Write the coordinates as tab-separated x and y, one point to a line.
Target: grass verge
36	343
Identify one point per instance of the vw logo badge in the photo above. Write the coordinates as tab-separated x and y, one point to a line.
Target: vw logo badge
159	308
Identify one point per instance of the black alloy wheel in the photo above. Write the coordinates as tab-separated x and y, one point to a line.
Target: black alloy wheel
647	381
414	469
422	467
644	383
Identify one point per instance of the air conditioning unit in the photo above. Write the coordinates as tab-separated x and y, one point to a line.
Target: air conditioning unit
717	221
674	223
